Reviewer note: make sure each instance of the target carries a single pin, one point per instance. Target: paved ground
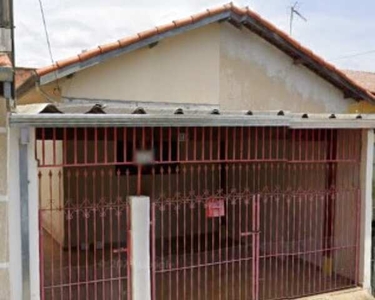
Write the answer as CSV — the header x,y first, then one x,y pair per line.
x,y
351,294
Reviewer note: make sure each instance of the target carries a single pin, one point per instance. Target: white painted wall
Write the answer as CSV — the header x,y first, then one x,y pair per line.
x,y
256,75
183,69
215,64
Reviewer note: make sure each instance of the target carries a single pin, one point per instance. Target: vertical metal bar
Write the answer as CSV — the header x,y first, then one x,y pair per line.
x,y
75,145
257,247
43,146
50,210
184,194
248,143
234,142
199,194
187,137
226,144
195,144
125,144
69,218
119,212
211,143
192,207
96,145
169,225
102,216
54,146
61,212
105,145
65,147
41,255
110,201
219,143
86,216
114,144
203,144
85,146
161,144
94,183
78,212
178,144
177,229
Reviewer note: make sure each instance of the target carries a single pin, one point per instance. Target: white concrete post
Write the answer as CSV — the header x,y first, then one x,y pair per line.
x,y
366,208
140,247
33,218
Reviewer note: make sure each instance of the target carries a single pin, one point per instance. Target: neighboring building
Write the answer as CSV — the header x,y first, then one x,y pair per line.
x,y
211,157
367,80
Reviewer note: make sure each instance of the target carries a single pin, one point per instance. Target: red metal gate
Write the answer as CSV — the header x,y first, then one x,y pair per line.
x,y
195,257
254,213
236,212
83,215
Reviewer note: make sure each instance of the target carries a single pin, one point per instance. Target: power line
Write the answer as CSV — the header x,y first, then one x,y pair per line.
x,y
47,39
354,55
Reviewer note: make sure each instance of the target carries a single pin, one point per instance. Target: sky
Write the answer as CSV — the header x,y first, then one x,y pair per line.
x,y
337,30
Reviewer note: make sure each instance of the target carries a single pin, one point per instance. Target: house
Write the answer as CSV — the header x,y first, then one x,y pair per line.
x,y
367,80
211,157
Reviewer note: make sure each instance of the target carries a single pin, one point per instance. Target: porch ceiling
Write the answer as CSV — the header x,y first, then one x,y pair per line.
x,y
99,115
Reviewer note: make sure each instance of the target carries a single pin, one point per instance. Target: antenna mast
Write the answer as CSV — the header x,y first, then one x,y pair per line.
x,y
293,11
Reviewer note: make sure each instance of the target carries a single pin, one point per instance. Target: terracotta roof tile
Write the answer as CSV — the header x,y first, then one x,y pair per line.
x,y
89,54
109,47
66,62
148,33
5,61
128,40
367,79
184,21
166,27
23,74
46,70
199,16
191,19
239,10
217,10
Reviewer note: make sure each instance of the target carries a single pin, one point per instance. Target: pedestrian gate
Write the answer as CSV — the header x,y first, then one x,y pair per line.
x,y
236,212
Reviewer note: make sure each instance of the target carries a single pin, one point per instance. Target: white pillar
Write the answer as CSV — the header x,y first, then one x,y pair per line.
x,y
140,247
15,256
366,208
33,218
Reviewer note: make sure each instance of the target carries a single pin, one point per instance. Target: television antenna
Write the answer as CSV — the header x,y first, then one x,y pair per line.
x,y
294,11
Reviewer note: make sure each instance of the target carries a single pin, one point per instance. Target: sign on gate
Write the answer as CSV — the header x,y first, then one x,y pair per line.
x,y
215,208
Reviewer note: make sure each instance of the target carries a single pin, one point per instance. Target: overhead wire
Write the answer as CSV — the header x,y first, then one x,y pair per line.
x,y
354,55
48,41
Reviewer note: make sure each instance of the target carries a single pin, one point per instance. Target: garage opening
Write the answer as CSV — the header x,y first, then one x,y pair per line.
x,y
236,212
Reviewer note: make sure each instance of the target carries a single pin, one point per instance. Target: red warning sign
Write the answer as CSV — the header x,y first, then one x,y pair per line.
x,y
215,208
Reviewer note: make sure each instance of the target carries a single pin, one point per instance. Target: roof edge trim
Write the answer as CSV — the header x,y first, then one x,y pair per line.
x,y
113,120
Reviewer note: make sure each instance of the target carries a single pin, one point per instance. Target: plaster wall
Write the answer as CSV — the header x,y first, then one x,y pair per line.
x,y
215,64
182,69
256,75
